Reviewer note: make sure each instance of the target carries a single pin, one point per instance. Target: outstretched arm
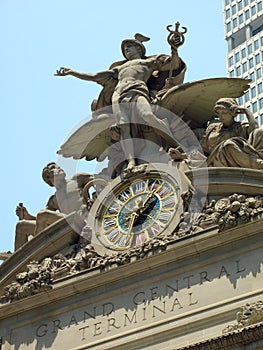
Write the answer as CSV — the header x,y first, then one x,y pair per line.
x,y
100,77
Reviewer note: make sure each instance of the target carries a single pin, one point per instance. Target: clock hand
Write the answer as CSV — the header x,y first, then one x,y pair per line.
x,y
147,200
131,222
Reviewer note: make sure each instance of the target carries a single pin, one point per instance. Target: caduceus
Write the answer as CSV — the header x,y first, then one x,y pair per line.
x,y
175,39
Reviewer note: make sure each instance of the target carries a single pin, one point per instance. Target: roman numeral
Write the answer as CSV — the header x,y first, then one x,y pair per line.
x,y
109,222
114,209
169,202
122,241
164,216
164,190
139,187
124,196
112,235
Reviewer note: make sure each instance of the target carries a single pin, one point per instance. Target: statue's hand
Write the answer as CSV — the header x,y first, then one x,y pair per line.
x,y
240,110
21,212
62,71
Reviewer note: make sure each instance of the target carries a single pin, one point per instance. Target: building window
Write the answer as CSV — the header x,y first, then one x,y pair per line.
x,y
261,119
251,62
253,92
249,48
243,53
247,96
235,22
238,70
254,107
247,15
227,2
231,74
231,61
256,44
260,88
241,18
261,39
253,10
228,26
261,103
234,9
259,73
237,57
239,5
252,76
257,30
260,6
240,100
257,58
245,2
227,13
244,65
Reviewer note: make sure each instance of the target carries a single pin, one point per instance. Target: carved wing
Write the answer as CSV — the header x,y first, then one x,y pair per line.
x,y
194,101
90,140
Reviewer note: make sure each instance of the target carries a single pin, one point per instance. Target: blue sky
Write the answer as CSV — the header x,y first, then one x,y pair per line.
x,y
39,110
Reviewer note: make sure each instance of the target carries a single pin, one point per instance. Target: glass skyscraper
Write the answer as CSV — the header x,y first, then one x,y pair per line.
x,y
243,23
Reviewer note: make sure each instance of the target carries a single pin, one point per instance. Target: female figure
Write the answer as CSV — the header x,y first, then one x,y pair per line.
x,y
229,143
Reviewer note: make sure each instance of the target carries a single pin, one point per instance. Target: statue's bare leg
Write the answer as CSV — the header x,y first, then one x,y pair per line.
x,y
45,218
122,115
147,115
25,229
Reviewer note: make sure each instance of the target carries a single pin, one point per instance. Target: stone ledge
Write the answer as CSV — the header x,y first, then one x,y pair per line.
x,y
226,181
242,337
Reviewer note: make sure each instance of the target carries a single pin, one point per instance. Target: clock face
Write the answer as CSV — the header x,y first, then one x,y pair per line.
x,y
137,212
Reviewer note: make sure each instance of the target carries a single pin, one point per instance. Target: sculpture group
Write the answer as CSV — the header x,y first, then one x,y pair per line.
x,y
145,113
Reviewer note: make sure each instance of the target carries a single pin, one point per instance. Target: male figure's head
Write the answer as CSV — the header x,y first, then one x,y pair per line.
x,y
53,175
133,48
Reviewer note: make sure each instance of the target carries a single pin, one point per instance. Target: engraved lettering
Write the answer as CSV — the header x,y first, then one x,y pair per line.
x,y
56,326
187,278
223,272
73,321
159,309
111,323
176,303
154,294
191,302
169,290
139,298
238,267
144,314
42,330
83,329
108,308
87,314
130,320
97,328
203,277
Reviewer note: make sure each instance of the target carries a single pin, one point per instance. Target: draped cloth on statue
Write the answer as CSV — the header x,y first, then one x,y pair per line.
x,y
240,145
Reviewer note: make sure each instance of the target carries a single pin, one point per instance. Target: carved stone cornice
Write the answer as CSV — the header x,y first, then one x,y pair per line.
x,y
222,214
241,337
250,314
